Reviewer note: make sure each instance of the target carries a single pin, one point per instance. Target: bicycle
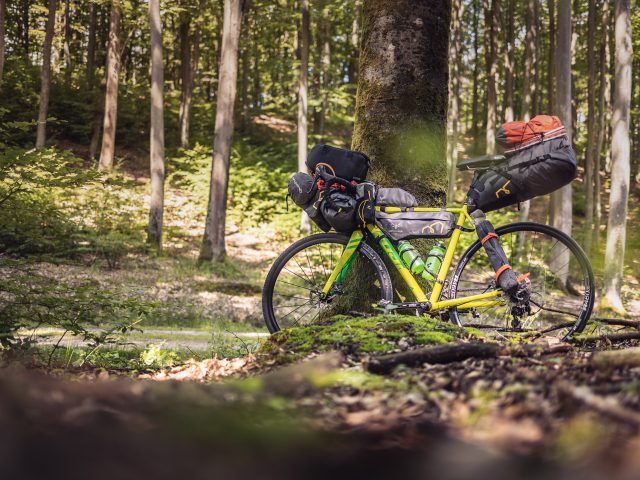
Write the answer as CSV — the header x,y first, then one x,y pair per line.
x,y
311,278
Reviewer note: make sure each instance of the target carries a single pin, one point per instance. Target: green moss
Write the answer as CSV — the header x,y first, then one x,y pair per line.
x,y
361,336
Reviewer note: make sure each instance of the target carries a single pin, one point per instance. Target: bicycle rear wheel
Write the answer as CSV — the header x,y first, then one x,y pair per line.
x,y
562,284
292,293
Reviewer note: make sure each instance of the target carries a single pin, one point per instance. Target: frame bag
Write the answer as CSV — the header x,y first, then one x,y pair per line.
x,y
409,224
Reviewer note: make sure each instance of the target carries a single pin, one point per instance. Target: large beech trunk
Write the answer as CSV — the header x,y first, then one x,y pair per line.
x,y
156,138
213,247
401,105
620,159
111,96
45,78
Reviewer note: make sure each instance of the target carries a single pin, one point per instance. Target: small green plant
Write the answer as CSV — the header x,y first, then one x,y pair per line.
x,y
155,356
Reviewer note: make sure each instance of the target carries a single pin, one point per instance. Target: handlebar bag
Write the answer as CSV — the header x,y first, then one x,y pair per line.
x,y
339,162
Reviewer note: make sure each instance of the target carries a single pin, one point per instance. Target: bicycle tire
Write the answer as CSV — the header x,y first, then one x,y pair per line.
x,y
386,289
574,248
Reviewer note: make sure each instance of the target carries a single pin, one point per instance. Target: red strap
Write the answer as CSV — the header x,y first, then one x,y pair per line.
x,y
488,236
501,270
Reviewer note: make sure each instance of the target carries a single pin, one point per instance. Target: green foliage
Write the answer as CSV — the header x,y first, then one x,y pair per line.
x,y
33,299
154,356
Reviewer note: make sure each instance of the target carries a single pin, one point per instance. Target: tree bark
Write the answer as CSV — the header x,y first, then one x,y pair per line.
x,y
590,169
621,161
529,49
156,150
490,12
111,96
510,61
66,50
2,44
455,62
551,78
213,246
562,199
186,81
475,127
25,29
401,105
305,223
326,73
91,44
45,78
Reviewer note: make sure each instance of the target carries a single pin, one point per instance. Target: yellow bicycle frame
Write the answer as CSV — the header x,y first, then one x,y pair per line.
x,y
472,301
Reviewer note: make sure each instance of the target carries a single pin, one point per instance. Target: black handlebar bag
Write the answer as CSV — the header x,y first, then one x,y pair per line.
x,y
527,172
346,164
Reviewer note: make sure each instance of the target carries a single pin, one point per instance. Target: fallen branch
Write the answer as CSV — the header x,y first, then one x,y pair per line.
x,y
617,321
612,337
454,352
627,357
608,406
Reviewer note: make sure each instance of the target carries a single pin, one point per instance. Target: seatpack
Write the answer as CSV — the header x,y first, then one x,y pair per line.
x,y
529,170
347,164
409,224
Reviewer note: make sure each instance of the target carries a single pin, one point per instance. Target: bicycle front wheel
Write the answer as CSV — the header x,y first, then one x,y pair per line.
x,y
562,284
292,293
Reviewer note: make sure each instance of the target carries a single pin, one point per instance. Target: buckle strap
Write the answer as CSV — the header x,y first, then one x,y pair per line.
x,y
488,237
502,269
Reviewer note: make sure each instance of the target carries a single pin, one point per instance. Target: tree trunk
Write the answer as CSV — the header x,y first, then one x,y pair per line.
x,y
45,78
156,146
2,47
111,96
604,94
562,199
590,169
551,77
455,62
25,29
528,88
305,223
490,13
510,61
620,161
355,40
401,106
91,46
66,51
326,73
475,127
213,247
186,81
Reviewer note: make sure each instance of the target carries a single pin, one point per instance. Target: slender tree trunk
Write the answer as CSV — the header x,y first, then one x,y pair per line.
x,y
592,136
355,38
257,91
45,78
2,46
475,122
91,45
604,95
562,202
111,96
490,11
213,247
244,94
25,29
621,161
305,224
510,61
401,106
551,77
66,50
528,87
455,63
186,81
156,150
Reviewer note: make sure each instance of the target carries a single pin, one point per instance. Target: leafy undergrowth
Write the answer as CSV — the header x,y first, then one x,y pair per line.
x,y
358,336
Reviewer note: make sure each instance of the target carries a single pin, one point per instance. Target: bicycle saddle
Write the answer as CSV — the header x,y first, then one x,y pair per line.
x,y
480,163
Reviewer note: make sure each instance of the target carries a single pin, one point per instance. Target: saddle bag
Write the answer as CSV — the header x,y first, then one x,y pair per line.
x,y
409,224
531,169
339,162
